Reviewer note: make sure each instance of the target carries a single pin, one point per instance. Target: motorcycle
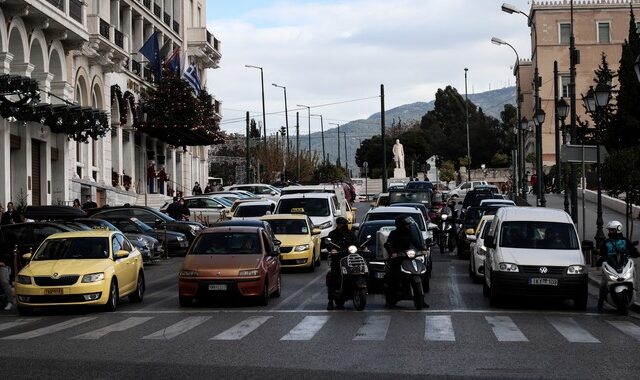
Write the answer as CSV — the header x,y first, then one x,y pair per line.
x,y
444,231
354,273
619,274
408,282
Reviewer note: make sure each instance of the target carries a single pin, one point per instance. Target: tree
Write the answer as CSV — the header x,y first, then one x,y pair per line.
x,y
621,175
500,160
605,117
329,173
447,172
254,131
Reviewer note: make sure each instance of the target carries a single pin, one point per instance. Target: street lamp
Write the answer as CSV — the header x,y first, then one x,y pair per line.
x,y
466,110
309,112
366,187
562,111
511,9
595,101
324,159
286,113
636,66
524,126
264,114
338,125
538,119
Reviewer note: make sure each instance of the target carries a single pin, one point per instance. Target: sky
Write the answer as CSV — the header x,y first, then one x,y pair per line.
x,y
333,55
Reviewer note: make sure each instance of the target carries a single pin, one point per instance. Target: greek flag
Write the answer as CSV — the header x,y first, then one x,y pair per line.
x,y
191,76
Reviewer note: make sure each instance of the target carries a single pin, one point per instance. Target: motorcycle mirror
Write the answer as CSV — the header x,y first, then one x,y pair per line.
x,y
328,240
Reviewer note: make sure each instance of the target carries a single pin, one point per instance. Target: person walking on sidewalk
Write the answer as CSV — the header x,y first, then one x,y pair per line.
x,y
5,278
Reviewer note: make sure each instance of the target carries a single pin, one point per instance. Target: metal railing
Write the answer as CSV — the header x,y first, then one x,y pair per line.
x,y
209,36
136,67
216,44
157,10
176,27
57,3
167,19
118,38
104,29
75,10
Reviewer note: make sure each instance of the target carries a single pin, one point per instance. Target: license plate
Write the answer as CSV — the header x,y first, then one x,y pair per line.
x,y
217,287
380,275
543,281
53,292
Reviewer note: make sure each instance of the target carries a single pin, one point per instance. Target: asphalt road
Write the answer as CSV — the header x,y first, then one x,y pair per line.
x,y
460,335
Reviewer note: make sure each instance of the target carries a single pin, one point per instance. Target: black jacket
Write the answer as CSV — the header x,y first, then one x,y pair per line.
x,y
342,238
10,216
402,240
175,211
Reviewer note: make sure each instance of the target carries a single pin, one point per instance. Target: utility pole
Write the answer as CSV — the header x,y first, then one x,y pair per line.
x,y
246,164
298,144
556,120
338,162
384,141
538,123
346,160
322,133
572,94
466,111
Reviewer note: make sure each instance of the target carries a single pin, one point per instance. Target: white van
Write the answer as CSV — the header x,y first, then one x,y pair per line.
x,y
534,252
322,208
345,208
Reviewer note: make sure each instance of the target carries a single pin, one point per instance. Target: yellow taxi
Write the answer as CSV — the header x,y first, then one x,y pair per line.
x,y
300,241
95,267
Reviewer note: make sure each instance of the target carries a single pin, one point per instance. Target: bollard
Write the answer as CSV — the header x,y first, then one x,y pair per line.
x,y
588,253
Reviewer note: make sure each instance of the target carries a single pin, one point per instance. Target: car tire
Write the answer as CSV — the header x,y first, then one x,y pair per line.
x,y
312,267
138,295
264,297
318,261
112,302
278,290
185,301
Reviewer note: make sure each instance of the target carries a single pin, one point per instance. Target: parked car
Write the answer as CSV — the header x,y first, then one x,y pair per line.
x,y
254,210
230,261
461,190
259,189
478,249
300,245
534,252
205,209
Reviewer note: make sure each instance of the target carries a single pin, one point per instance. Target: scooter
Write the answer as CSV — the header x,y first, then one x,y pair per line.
x,y
444,231
619,273
408,282
354,273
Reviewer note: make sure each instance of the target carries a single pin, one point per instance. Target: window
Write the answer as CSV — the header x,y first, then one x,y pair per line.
x,y
604,36
564,86
116,245
564,32
538,235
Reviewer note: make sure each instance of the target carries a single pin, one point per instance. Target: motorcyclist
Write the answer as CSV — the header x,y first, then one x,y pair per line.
x,y
343,237
450,209
616,244
406,236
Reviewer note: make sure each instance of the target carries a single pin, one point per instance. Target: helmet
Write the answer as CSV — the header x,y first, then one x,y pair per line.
x,y
341,221
403,222
614,225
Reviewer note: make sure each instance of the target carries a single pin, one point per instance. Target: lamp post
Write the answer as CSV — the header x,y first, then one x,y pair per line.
x,y
338,125
595,101
466,111
562,111
538,119
264,114
322,135
286,113
309,113
524,126
366,187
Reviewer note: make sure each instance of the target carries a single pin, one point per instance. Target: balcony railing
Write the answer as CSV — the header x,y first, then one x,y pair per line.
x,y
57,3
104,29
167,19
176,27
209,35
118,38
75,10
157,10
216,42
147,3
135,67
147,75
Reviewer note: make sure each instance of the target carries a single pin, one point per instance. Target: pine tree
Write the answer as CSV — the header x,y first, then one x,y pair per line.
x,y
605,117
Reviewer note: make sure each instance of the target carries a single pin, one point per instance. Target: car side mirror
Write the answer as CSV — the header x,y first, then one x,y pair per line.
x,y
488,242
316,231
470,231
277,242
355,226
27,256
338,213
431,226
121,254
158,223
273,193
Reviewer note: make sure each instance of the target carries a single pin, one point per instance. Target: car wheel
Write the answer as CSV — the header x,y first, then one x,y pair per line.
x,y
185,301
312,266
112,302
485,288
138,294
264,297
318,260
278,290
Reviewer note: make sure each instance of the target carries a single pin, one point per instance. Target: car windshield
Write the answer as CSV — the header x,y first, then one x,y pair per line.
x,y
289,227
227,243
143,226
538,235
251,211
473,215
311,206
73,248
417,217
423,197
224,201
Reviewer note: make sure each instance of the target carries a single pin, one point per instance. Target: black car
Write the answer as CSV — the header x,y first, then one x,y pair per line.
x,y
473,197
470,221
419,185
369,251
424,196
175,242
149,216
419,206
251,223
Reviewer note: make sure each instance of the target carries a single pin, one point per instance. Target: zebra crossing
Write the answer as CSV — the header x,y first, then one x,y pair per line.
x,y
372,327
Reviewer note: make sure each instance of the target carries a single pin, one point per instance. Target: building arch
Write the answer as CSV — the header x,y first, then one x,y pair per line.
x,y
97,93
81,88
57,62
38,55
18,41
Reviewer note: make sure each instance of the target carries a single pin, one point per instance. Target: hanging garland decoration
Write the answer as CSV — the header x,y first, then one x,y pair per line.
x,y
16,86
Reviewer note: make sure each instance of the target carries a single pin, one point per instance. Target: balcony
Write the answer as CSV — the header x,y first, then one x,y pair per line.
x,y
147,3
157,10
118,38
167,19
108,46
66,18
204,47
104,29
176,27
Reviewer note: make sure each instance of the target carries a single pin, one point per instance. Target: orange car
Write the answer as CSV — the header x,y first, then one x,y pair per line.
x,y
230,261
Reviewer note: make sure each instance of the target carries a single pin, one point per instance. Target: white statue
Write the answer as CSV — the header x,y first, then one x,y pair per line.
x,y
398,155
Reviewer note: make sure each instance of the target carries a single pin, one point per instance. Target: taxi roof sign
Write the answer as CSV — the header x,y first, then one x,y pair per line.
x,y
297,210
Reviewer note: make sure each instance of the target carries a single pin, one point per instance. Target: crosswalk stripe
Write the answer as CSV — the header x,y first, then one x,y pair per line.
x,y
50,329
16,323
505,329
439,328
242,329
306,329
119,326
178,328
374,328
627,327
571,330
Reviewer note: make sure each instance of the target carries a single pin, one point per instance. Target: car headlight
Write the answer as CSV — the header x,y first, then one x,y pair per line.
x,y
193,229
180,238
508,267
248,273
25,280
300,248
576,269
325,225
188,273
93,277
411,254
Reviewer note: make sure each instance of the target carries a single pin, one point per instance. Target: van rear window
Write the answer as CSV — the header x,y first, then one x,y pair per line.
x,y
538,235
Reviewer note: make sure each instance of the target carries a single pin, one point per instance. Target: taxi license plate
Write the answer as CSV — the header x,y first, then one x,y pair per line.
x,y
53,292
543,281
217,287
380,275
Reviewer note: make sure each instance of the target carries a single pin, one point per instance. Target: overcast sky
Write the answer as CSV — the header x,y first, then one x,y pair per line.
x,y
329,51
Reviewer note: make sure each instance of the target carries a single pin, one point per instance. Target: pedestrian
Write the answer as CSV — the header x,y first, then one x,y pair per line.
x,y
11,216
151,176
76,203
534,182
175,209
197,190
89,203
185,209
5,278
208,189
162,178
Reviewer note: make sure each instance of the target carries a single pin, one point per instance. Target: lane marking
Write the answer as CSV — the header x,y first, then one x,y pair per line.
x,y
242,329
375,327
116,327
505,329
297,292
627,328
368,311
454,295
310,299
439,328
306,329
570,329
16,323
178,328
50,329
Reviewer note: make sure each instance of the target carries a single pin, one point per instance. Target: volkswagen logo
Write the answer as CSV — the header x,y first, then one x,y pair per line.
x,y
55,275
543,270
218,274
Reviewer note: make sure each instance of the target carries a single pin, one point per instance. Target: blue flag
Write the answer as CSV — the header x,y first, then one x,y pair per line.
x,y
191,76
151,51
173,62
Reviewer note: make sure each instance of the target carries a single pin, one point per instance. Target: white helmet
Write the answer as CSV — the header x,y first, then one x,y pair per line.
x,y
614,225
